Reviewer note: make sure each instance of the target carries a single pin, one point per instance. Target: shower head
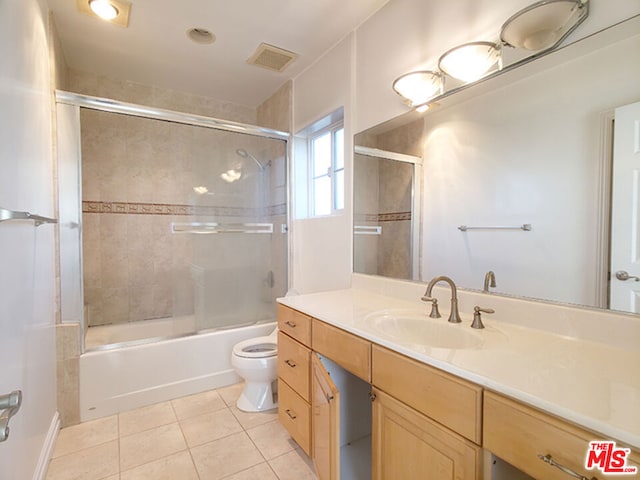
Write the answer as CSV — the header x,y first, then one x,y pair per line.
x,y
244,154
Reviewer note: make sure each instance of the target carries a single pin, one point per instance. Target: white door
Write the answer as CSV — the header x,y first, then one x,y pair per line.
x,y
27,295
625,211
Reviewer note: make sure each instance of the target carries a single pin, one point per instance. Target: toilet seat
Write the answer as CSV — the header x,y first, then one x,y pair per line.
x,y
259,347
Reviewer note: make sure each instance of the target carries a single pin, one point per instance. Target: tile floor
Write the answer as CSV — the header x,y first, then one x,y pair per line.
x,y
199,437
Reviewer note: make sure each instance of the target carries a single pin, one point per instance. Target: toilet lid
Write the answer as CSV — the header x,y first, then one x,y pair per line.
x,y
259,347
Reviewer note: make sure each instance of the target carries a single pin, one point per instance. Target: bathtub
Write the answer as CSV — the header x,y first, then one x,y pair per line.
x,y
120,379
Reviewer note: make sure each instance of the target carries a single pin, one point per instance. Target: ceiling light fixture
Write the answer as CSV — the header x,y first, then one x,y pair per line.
x,y
417,88
544,24
470,61
104,9
201,36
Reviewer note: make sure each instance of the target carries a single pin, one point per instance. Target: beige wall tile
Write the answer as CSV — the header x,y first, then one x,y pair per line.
x,y
275,112
68,390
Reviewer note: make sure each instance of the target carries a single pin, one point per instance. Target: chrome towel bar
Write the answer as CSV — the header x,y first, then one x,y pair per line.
x,y
213,227
367,230
526,227
6,215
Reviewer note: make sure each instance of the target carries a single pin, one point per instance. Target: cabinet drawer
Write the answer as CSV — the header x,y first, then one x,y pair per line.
x,y
295,324
350,352
294,414
518,434
450,401
293,364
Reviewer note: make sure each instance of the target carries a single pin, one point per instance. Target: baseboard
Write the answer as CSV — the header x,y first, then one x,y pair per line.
x,y
47,449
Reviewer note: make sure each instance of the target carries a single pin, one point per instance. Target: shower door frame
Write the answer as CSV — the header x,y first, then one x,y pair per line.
x,y
108,105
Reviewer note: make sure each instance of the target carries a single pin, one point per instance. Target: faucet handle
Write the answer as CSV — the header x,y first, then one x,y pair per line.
x,y
477,319
435,312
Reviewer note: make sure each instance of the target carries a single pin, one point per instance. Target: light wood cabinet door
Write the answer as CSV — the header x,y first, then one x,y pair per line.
x,y
325,422
409,446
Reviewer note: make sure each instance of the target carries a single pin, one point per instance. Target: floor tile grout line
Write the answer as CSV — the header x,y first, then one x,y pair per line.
x,y
193,462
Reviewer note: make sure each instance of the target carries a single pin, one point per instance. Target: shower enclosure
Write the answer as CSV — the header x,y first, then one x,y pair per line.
x,y
182,222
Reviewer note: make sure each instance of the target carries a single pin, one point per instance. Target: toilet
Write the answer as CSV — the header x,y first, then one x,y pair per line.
x,y
256,360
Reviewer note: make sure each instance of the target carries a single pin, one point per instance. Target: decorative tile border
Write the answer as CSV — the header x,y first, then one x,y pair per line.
x,y
383,217
177,209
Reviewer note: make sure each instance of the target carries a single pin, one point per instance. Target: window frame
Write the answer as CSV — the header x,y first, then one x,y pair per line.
x,y
331,171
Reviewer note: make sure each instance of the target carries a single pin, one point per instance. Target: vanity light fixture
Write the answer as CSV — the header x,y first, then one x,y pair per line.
x,y
417,88
470,61
537,28
544,24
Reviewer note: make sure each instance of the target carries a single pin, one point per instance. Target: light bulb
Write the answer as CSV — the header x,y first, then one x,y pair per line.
x,y
104,9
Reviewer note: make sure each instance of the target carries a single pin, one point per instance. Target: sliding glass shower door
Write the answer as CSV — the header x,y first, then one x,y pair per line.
x,y
183,226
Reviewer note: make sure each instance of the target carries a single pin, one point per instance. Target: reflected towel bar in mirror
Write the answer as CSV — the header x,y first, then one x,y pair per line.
x,y
526,227
6,215
213,227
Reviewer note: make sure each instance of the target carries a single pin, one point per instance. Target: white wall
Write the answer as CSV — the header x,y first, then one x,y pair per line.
x,y
27,305
526,153
321,247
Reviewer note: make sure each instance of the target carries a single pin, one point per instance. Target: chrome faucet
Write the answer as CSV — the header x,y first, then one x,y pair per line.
x,y
454,316
489,281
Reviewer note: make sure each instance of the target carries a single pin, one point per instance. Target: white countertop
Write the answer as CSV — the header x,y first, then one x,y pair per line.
x,y
593,384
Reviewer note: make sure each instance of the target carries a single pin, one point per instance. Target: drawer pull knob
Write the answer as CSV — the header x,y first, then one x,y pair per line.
x,y
290,323
290,363
548,459
291,414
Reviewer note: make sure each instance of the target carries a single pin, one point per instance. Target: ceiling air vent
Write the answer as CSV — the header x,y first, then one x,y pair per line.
x,y
273,58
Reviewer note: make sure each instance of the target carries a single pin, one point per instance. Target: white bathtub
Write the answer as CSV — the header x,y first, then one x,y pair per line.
x,y
113,381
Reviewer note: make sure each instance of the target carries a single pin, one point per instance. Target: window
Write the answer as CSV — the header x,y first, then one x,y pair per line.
x,y
326,167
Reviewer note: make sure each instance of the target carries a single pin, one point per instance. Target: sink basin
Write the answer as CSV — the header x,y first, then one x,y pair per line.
x,y
416,328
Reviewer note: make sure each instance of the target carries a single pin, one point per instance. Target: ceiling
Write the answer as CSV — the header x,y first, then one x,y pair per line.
x,y
155,49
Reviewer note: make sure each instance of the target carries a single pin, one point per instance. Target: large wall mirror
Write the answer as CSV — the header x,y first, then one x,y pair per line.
x,y
534,146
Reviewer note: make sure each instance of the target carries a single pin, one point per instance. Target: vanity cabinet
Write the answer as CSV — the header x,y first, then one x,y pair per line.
x,y
423,423
518,433
426,423
411,446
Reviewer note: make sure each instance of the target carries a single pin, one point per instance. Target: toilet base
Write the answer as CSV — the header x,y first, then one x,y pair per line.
x,y
257,397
